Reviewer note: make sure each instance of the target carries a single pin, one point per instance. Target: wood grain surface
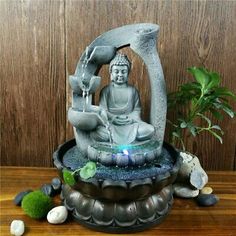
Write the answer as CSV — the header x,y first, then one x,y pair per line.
x,y
43,40
33,81
186,218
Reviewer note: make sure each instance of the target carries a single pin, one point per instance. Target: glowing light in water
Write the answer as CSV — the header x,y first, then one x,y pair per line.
x,y
125,151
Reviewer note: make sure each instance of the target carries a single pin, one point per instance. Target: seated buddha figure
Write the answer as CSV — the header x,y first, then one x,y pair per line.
x,y
121,102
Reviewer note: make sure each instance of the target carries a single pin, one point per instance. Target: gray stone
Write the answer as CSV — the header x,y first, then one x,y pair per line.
x,y
184,191
19,197
48,190
198,179
56,184
207,199
191,172
17,227
57,215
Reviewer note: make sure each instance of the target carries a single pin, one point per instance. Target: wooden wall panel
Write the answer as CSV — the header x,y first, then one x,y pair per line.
x,y
192,33
197,32
32,81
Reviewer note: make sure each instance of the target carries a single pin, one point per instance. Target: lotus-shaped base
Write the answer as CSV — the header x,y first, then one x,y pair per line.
x,y
125,155
118,217
119,199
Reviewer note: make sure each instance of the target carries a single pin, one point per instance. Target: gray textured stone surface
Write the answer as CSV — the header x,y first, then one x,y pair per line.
x,y
184,191
198,179
191,172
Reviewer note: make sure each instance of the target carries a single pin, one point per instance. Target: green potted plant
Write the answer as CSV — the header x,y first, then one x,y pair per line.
x,y
194,105
198,100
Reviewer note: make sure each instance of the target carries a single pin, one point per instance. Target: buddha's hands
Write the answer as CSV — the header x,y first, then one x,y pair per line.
x,y
122,120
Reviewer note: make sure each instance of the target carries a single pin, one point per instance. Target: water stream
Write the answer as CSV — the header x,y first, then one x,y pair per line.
x,y
108,128
85,93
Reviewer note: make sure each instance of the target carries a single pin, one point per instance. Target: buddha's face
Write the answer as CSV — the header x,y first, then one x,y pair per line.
x,y
119,74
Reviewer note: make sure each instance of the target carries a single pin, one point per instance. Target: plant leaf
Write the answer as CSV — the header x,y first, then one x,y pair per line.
x,y
193,86
183,125
229,111
216,114
88,171
175,134
222,91
91,165
192,130
218,128
68,178
205,118
214,80
200,75
216,135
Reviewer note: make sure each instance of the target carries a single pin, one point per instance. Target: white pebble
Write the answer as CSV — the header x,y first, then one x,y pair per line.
x,y
17,227
57,215
206,190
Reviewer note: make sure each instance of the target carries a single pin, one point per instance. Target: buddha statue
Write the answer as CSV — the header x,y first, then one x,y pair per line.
x,y
121,107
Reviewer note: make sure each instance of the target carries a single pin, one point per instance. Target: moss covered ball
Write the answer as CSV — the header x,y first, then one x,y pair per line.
x,y
36,204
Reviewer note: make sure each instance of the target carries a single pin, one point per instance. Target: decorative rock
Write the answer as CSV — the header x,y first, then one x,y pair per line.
x,y
17,227
56,184
191,172
48,190
207,199
57,215
19,197
198,179
206,190
184,191
186,157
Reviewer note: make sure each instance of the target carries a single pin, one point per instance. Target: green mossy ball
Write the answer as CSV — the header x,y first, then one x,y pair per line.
x,y
36,204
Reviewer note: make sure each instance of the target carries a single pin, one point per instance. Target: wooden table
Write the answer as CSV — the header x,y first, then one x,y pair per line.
x,y
186,218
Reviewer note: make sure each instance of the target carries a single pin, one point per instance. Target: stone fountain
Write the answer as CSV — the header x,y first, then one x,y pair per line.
x,y
132,187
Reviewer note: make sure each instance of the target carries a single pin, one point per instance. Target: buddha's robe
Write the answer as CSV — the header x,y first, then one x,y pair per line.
x,y
123,109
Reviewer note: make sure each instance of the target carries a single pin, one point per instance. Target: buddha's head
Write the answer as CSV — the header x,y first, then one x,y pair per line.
x,y
119,69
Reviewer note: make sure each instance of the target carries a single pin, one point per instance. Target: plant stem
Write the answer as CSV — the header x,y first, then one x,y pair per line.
x,y
193,112
76,171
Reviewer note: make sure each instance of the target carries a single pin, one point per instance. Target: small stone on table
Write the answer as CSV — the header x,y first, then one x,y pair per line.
x,y
57,215
56,184
19,197
206,190
207,199
48,190
17,227
184,191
